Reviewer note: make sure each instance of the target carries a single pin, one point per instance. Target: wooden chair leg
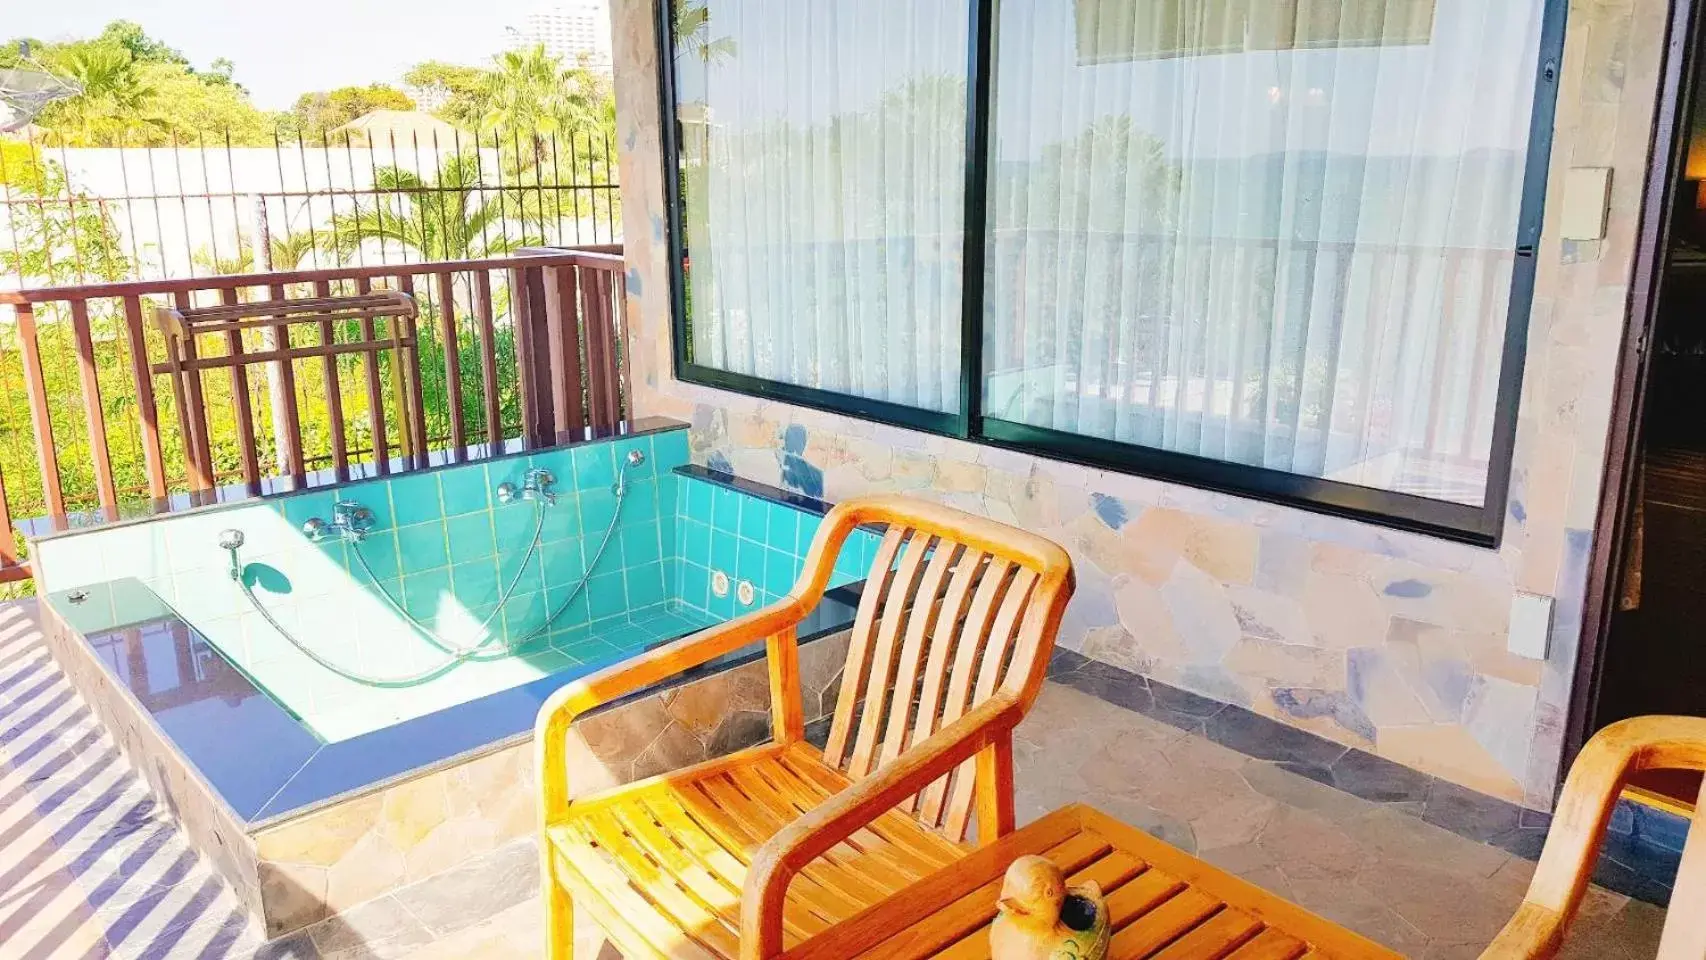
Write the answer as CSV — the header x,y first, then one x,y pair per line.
x,y
995,791
559,914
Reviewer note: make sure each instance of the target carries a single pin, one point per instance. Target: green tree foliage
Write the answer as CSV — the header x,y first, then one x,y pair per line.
x,y
693,33
531,96
446,218
138,91
460,91
141,47
316,115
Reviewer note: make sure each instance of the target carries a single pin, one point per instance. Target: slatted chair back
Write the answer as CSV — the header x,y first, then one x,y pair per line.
x,y
954,609
1579,825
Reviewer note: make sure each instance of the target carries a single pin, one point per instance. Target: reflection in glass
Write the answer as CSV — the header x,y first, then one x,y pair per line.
x,y
822,149
1272,232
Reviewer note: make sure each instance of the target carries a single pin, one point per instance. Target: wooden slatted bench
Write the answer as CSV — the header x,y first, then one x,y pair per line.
x,y
182,325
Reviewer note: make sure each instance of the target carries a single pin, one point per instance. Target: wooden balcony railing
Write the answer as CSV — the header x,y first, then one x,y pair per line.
x,y
523,347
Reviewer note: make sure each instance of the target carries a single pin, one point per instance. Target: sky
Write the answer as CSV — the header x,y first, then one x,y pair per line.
x,y
285,49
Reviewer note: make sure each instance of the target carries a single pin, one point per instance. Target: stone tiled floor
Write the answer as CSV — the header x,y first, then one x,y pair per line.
x,y
91,868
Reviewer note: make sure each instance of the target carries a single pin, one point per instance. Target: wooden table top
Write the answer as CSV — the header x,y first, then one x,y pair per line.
x,y
1165,904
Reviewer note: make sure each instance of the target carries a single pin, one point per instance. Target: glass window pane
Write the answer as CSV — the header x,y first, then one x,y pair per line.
x,y
1269,232
823,181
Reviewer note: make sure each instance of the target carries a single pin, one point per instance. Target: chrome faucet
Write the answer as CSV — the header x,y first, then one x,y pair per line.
x,y
350,521
535,485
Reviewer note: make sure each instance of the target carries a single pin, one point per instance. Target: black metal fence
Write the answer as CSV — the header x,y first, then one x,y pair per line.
x,y
88,215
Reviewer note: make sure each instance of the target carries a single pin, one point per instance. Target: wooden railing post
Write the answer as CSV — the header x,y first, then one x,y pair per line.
x,y
532,356
287,422
452,340
35,387
375,396
567,386
605,380
145,411
94,411
488,360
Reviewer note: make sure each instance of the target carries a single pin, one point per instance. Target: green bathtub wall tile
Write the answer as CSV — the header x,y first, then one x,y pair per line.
x,y
525,614
597,507
724,551
725,508
784,526
669,449
470,537
575,605
424,592
380,551
781,569
671,578
642,497
606,595
475,582
695,586
563,564
641,543
644,583
303,507
805,533
531,578
515,525
415,499
377,498
697,497
422,546
594,467
465,490
563,518
696,541
755,518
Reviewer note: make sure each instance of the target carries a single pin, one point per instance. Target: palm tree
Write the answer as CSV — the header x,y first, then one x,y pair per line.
x,y
287,252
531,93
116,101
449,217
692,33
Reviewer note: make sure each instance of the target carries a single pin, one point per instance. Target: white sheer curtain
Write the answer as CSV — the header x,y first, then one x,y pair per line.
x,y
823,153
1272,232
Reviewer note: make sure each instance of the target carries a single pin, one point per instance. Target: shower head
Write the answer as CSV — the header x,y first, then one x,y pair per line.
x,y
633,459
230,539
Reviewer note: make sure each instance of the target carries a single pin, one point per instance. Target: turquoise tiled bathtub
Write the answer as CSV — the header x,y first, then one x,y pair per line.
x,y
444,548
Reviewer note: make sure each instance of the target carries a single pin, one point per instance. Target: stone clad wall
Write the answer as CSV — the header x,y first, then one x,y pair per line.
x,y
1392,642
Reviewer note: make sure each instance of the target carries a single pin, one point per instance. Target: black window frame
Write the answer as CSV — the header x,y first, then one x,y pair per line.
x,y
1481,526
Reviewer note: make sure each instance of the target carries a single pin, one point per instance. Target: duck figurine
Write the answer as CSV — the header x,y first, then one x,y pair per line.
x,y
1039,918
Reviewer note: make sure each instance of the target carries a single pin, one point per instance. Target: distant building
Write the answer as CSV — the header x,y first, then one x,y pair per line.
x,y
578,31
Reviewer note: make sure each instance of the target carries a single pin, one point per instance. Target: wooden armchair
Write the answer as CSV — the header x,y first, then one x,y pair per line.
x,y
1572,846
754,853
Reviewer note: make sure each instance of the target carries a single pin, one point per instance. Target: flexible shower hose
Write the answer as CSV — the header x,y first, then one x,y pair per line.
x,y
457,655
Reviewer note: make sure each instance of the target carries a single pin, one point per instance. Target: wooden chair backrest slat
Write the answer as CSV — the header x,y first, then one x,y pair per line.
x,y
955,608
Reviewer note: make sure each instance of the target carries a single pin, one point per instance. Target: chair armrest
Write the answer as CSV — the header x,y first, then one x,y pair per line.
x,y
618,680
1579,824
785,854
